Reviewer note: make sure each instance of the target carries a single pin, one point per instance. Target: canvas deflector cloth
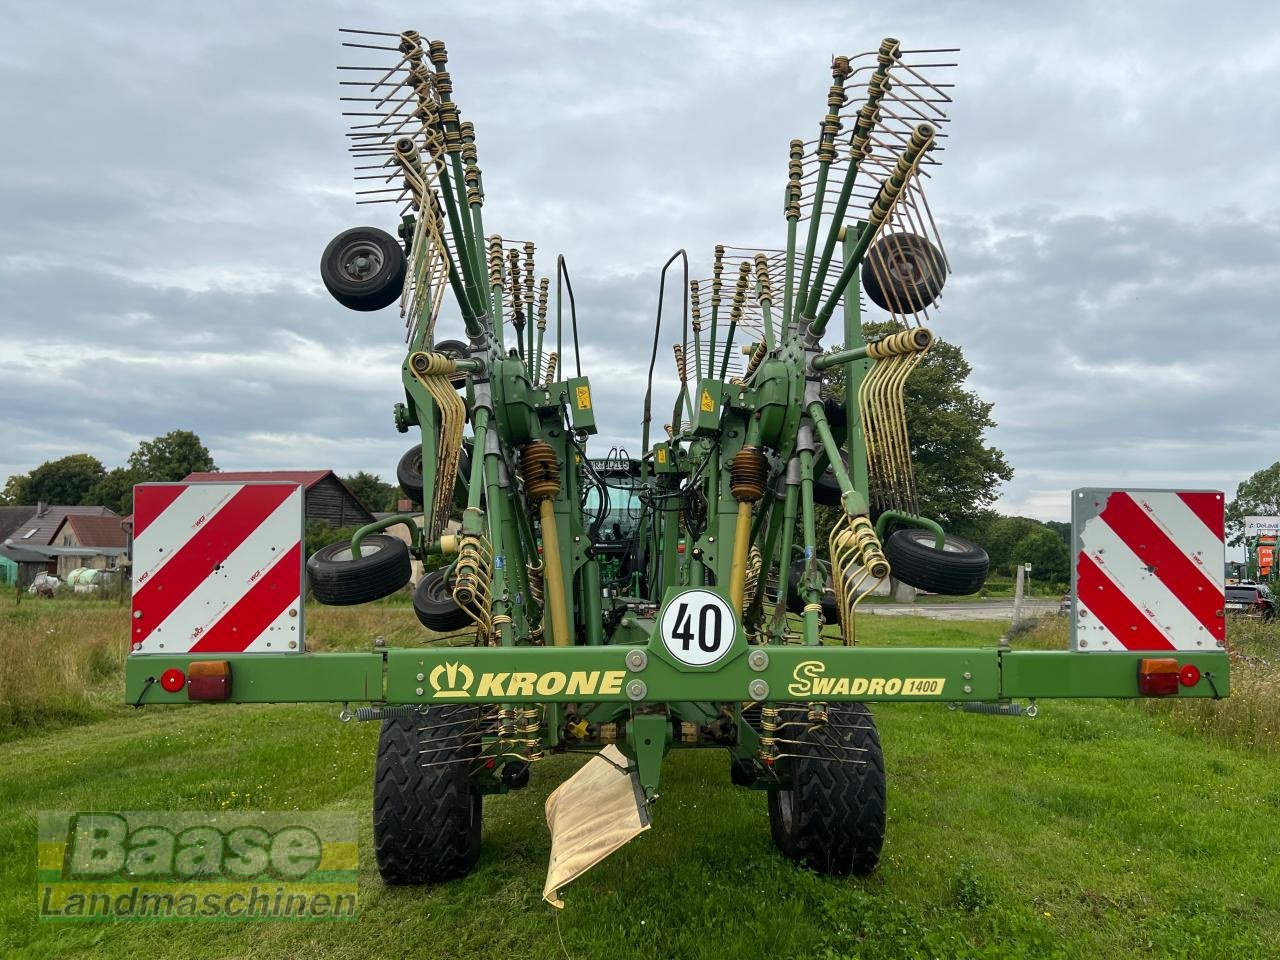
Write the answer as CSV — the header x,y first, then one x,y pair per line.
x,y
591,815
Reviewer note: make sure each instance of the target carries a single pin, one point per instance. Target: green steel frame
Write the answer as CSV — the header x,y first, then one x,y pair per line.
x,y
613,668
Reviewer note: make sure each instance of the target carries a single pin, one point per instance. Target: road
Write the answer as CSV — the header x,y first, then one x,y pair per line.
x,y
967,610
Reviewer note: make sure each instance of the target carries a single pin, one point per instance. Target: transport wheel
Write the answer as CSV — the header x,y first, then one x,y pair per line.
x,y
340,579
434,605
409,473
364,268
795,603
903,273
426,819
958,569
832,818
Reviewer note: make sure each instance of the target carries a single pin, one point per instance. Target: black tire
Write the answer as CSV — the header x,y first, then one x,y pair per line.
x,y
339,579
426,818
364,268
434,606
957,570
903,273
832,819
409,474
825,489
795,603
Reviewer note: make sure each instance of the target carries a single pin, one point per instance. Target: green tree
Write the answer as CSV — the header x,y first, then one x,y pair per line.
x,y
1061,528
957,472
371,490
64,481
114,490
1049,557
317,534
1259,496
15,490
170,458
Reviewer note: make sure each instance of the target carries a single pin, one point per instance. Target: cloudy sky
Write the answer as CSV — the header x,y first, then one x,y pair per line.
x,y
171,173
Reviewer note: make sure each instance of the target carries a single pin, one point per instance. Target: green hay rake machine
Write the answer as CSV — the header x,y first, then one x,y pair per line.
x,y
680,600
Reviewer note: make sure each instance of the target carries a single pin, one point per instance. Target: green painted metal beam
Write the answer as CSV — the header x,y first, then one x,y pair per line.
x,y
604,674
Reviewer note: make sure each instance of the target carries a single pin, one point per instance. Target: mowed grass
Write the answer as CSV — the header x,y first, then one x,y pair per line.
x,y
1099,829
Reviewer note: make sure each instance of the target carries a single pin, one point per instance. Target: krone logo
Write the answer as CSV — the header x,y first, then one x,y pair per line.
x,y
452,680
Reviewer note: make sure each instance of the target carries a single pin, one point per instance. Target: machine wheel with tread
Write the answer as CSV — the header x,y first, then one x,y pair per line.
x,y
832,818
958,569
364,268
434,606
903,273
409,473
339,578
426,818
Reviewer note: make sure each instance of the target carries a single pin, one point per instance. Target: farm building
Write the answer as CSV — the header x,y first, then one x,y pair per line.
x,y
34,544
326,497
97,543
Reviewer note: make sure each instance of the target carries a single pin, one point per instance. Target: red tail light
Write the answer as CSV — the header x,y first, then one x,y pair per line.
x,y
1158,677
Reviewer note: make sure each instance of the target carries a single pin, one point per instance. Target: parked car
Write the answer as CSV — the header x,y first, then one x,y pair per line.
x,y
1251,600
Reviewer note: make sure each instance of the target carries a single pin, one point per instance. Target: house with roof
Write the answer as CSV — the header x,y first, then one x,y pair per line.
x,y
325,497
32,545
95,542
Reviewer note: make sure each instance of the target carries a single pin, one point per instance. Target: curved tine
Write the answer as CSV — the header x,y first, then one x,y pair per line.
x,y
657,333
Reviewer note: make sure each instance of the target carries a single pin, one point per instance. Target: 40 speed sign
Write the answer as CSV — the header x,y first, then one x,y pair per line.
x,y
698,627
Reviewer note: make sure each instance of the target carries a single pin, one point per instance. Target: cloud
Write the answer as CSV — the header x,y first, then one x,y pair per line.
x,y
165,201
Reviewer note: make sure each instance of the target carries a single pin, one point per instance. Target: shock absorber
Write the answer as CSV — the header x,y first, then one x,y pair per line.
x,y
541,475
748,474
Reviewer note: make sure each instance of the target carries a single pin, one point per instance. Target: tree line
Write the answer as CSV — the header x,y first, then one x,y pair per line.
x,y
81,479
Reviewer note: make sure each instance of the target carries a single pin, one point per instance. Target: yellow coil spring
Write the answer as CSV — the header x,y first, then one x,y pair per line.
x,y
757,357
472,578
538,595
544,286
433,371
682,371
740,291
495,261
528,726
549,374
695,306
513,273
717,268
795,172
908,163
762,278
856,556
768,733
528,277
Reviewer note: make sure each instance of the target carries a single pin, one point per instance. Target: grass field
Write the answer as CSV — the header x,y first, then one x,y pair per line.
x,y
1096,830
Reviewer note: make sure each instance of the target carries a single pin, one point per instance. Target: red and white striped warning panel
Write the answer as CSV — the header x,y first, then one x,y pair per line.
x,y
1148,570
217,568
